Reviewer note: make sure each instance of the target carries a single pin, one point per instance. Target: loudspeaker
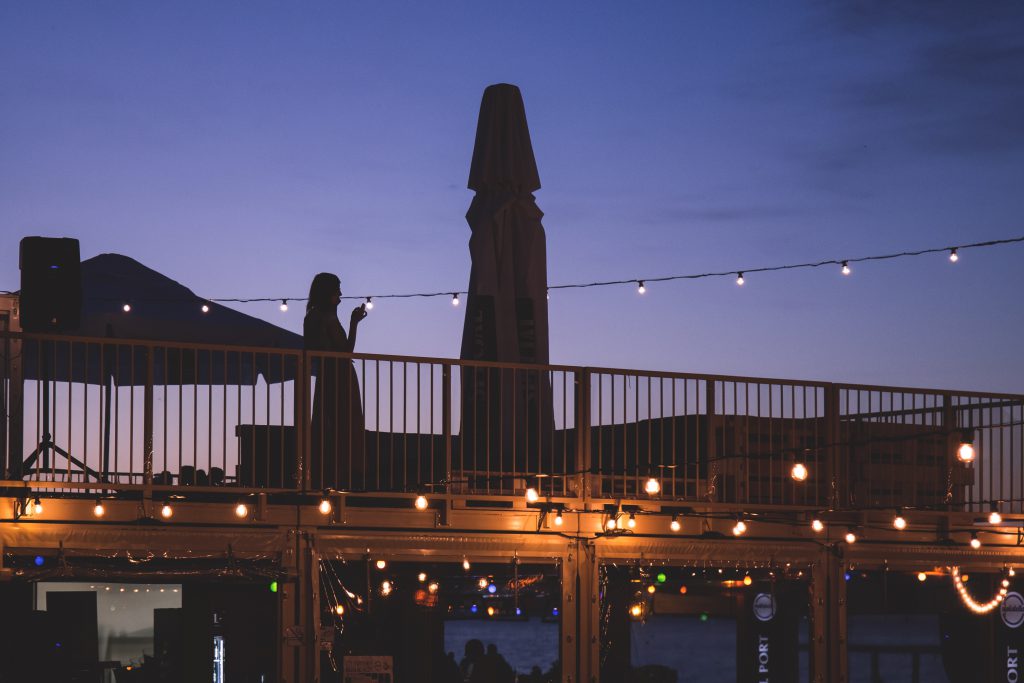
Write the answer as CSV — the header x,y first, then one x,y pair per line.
x,y
51,284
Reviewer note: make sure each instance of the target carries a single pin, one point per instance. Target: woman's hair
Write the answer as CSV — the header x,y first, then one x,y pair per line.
x,y
323,287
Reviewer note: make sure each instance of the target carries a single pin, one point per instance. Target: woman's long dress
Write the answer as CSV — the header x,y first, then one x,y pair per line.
x,y
337,433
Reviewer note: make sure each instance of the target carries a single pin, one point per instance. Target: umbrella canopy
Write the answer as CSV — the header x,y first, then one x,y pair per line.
x,y
506,414
162,310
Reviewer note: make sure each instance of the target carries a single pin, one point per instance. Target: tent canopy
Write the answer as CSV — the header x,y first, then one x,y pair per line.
x,y
162,310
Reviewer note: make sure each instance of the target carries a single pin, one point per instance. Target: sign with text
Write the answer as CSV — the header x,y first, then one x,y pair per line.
x,y
368,669
766,634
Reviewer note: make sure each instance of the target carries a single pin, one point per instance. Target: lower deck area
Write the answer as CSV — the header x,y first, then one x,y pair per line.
x,y
387,592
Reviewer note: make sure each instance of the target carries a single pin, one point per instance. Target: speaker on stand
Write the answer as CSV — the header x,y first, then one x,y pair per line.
x,y
51,303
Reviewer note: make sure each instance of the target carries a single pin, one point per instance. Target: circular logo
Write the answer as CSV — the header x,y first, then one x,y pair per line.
x,y
1012,609
764,606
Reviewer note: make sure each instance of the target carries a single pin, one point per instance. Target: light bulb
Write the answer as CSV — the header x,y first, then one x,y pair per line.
x,y
798,472
465,564
953,256
381,564
284,305
339,610
651,589
965,453
636,610
558,518
899,522
631,522
1011,572
241,510
455,299
739,279
975,541
994,517
846,268
99,510
432,587
640,287
205,308
166,511
385,588
325,506
653,486
747,580
921,576
482,583
610,524
740,528
851,537
421,503
531,495
817,525
37,507
369,303
490,611
127,308
674,525
422,576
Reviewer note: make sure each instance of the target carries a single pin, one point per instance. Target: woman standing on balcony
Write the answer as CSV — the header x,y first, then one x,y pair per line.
x,y
337,434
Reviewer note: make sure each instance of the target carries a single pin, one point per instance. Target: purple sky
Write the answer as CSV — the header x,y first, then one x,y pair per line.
x,y
241,147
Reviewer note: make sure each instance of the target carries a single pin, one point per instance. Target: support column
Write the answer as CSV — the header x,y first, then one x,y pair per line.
x,y
828,617
580,646
299,613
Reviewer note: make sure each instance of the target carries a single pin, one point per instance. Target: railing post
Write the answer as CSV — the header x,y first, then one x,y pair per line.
x,y
303,382
147,421
586,471
834,468
446,423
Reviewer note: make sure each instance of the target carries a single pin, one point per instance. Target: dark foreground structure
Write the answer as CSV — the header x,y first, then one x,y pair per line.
x,y
749,524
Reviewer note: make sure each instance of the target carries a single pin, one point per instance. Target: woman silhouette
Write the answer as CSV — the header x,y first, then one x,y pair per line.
x,y
336,436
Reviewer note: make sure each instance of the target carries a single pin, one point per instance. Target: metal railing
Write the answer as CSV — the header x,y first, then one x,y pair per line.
x,y
108,413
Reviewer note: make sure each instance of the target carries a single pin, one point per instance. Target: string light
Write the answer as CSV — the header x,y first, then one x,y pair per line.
x,y
739,278
636,610
421,502
558,517
971,603
851,537
921,576
531,495
241,510
490,611
994,517
325,506
899,522
455,298
651,589
798,472
747,580
166,511
205,308
611,523
640,287
965,452
975,541
339,610
98,509
740,528
385,588
422,576
127,307
382,564
284,305
369,303
37,507
953,255
482,583
631,522
465,564
674,525
432,587
653,486
817,525
846,268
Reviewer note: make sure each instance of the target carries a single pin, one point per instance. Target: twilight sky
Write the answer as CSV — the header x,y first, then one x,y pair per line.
x,y
241,147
